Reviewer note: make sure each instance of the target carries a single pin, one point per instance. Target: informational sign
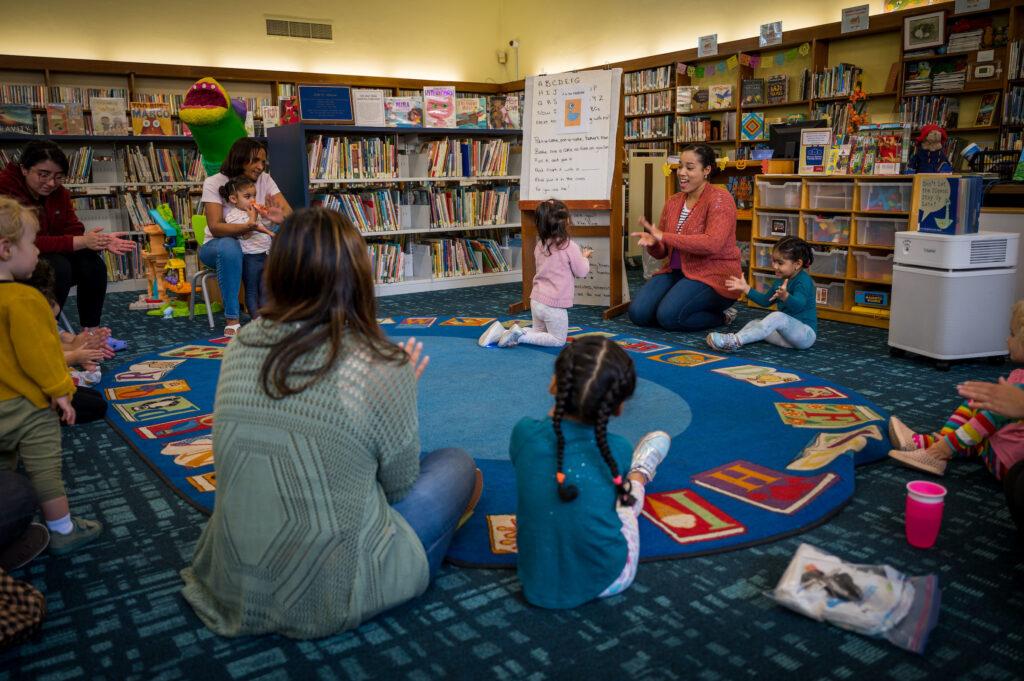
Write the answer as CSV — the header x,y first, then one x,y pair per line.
x,y
856,19
325,104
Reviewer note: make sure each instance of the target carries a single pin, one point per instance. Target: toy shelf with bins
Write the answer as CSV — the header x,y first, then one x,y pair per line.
x,y
849,221
409,171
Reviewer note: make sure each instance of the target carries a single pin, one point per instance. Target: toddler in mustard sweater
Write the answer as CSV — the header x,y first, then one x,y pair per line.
x,y
34,381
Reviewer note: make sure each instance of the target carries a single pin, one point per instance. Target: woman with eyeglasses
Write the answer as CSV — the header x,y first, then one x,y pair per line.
x,y
221,248
36,180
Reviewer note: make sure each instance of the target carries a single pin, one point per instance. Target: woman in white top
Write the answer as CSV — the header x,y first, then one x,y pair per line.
x,y
221,248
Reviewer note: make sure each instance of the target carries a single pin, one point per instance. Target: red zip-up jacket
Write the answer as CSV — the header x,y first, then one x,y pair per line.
x,y
58,224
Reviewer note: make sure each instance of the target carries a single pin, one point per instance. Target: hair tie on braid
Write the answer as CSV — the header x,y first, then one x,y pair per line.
x,y
617,480
560,477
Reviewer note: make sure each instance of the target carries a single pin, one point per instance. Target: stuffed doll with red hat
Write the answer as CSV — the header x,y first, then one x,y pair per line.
x,y
930,156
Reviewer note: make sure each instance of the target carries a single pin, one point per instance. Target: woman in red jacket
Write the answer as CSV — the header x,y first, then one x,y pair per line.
x,y
35,180
697,236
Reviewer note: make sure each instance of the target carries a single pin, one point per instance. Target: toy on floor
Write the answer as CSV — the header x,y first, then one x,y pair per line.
x,y
165,262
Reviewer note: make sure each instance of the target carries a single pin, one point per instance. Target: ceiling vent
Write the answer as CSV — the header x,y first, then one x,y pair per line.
x,y
310,30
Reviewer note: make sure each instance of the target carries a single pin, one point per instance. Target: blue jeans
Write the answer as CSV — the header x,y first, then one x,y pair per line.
x,y
778,328
438,499
676,303
252,276
224,254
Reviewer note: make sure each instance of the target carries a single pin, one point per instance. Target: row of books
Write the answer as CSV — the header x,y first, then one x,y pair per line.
x,y
1013,106
649,79
775,89
705,129
437,208
462,257
465,158
964,41
919,111
127,266
667,145
1012,141
835,82
172,102
182,204
161,164
387,261
837,113
872,150
462,207
924,77
370,211
1015,62
40,95
335,158
650,103
108,116
645,128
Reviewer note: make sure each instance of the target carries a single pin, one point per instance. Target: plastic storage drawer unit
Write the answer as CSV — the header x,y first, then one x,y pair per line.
x,y
886,196
762,282
785,195
777,225
830,195
833,229
878,231
875,267
829,295
763,255
832,263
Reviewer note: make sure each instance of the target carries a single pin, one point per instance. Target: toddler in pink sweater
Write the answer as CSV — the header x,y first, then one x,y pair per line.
x,y
559,261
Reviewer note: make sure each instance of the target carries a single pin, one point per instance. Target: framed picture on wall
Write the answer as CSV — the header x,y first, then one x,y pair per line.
x,y
924,30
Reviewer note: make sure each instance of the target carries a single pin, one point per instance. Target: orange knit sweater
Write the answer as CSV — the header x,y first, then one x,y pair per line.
x,y
707,243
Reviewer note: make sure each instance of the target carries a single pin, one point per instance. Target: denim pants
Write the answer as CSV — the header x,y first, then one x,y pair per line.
x,y
778,328
676,303
252,276
224,254
438,499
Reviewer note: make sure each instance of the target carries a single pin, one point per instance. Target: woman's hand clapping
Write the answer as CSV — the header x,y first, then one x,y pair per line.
x,y
650,236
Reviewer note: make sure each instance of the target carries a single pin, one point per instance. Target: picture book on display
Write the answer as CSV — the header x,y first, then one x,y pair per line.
x,y
720,97
947,204
500,110
701,99
65,119
684,98
403,112
752,127
439,107
987,109
778,89
109,116
147,118
752,91
368,106
471,112
271,117
16,118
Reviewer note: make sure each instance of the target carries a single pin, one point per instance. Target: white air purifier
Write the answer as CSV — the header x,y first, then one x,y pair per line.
x,y
952,294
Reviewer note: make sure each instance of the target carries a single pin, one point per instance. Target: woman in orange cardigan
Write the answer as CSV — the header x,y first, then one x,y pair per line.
x,y
697,236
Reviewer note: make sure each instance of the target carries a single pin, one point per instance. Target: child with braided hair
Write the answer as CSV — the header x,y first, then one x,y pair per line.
x,y
580,489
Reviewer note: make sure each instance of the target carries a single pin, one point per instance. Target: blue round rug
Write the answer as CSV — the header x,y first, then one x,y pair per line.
x,y
757,452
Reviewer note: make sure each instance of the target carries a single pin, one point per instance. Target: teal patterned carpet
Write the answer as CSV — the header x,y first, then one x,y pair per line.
x,y
115,611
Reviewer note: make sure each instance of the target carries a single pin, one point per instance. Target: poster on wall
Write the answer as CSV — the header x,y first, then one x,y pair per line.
x,y
856,19
707,45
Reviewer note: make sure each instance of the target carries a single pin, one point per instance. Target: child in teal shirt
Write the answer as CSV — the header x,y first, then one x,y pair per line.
x,y
795,325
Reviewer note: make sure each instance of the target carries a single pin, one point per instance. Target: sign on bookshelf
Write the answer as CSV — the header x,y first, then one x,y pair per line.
x,y
856,19
569,135
325,104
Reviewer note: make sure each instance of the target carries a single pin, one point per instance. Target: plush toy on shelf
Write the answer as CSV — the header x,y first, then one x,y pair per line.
x,y
930,157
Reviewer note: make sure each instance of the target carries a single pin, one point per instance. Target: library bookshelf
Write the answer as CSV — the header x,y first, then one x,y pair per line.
x,y
421,196
849,221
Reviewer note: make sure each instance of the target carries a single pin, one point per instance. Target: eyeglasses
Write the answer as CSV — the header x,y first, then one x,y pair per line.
x,y
46,176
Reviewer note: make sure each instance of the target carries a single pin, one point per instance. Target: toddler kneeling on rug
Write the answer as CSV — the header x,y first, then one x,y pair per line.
x,y
582,543
969,433
795,324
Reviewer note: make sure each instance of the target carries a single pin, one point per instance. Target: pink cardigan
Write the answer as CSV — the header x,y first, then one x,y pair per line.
x,y
554,283
707,244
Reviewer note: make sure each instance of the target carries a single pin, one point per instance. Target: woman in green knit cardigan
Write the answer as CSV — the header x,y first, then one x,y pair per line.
x,y
325,515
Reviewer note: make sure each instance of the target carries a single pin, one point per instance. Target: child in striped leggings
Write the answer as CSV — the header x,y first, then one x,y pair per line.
x,y
976,433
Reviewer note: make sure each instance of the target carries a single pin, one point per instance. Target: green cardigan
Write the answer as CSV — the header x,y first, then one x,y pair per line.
x,y
303,540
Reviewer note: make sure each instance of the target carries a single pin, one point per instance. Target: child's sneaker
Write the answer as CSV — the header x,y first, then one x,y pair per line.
x,y
86,378
83,532
726,342
510,338
921,460
901,436
730,315
650,452
491,335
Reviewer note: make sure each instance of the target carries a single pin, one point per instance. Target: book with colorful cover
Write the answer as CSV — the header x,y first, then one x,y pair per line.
x,y
752,127
150,118
777,89
16,118
720,97
57,119
109,116
403,112
439,107
765,488
271,117
684,98
752,91
74,118
987,109
814,145
471,112
498,115
701,99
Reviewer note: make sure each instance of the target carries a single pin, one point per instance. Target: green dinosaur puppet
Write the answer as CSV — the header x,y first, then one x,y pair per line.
x,y
215,120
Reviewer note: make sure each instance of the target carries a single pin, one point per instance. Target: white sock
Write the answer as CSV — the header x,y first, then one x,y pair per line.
x,y
61,525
